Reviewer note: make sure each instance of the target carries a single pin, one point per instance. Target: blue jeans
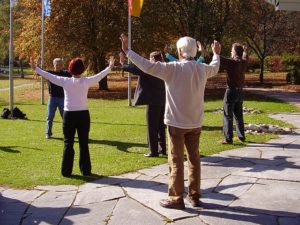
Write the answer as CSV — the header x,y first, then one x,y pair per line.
x,y
233,107
53,104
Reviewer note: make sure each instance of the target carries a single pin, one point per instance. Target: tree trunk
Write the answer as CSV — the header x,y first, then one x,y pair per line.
x,y
21,68
261,75
103,85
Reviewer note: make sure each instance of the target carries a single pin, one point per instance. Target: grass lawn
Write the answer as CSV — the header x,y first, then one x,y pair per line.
x,y
117,140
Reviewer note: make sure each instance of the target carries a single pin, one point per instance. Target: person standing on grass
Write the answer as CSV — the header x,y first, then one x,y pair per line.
x,y
151,91
56,96
233,98
76,115
185,84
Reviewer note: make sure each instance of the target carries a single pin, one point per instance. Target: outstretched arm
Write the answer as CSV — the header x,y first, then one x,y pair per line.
x,y
99,76
51,77
158,69
213,68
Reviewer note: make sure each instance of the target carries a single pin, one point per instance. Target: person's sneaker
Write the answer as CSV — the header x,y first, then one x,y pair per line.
x,y
150,154
167,203
194,202
48,136
225,142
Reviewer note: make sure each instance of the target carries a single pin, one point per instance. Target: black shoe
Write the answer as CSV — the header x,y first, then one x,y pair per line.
x,y
66,174
162,152
150,154
86,173
242,139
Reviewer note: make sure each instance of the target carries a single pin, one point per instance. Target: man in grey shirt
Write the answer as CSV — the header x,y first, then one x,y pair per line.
x,y
185,82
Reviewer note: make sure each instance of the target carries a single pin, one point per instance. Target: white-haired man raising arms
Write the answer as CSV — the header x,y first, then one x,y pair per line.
x,y
185,84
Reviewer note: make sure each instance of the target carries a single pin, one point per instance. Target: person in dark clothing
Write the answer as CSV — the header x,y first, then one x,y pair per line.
x,y
150,91
233,98
56,96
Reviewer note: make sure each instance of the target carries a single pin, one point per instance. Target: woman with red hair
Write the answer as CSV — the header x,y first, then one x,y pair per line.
x,y
76,115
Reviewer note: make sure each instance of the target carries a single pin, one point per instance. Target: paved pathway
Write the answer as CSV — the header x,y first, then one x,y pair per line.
x,y
18,87
258,184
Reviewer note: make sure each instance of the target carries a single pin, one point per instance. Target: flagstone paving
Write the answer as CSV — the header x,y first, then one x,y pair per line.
x,y
257,184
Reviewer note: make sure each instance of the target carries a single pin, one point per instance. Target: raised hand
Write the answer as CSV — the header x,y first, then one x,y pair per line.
x,y
200,46
216,47
33,63
166,49
124,41
122,58
111,61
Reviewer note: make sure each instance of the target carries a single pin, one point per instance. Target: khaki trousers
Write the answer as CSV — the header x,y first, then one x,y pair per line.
x,y
177,139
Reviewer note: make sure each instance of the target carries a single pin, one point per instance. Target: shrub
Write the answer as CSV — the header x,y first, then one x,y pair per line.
x,y
274,63
253,64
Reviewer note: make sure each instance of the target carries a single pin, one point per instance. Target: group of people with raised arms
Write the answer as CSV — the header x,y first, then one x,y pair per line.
x,y
174,95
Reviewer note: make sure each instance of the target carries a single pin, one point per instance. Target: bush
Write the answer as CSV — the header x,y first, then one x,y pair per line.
x,y
274,63
253,64
291,62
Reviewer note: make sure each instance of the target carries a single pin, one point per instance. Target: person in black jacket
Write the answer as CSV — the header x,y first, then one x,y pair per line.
x,y
150,91
56,96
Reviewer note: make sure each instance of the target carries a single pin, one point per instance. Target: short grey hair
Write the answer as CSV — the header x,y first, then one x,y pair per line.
x,y
56,60
187,46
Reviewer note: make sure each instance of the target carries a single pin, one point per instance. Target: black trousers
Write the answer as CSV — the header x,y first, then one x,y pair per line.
x,y
76,121
156,128
233,107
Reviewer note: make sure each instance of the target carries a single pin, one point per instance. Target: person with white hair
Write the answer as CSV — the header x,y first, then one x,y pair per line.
x,y
56,96
185,82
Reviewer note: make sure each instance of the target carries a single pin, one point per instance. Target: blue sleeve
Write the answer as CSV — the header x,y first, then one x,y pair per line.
x,y
132,69
200,60
171,58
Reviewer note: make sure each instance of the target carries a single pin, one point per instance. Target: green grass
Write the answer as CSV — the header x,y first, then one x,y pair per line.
x,y
117,140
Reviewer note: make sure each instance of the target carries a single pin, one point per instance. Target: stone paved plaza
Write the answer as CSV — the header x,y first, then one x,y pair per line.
x,y
257,184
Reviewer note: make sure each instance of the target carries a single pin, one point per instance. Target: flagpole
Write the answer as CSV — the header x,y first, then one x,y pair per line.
x,y
42,52
129,47
11,59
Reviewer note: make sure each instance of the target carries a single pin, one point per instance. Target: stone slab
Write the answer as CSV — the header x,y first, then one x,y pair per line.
x,y
103,182
271,172
279,198
216,200
11,195
11,213
156,170
128,212
208,185
223,168
150,197
49,208
189,221
235,185
289,221
99,195
230,217
91,214
163,179
62,188
246,152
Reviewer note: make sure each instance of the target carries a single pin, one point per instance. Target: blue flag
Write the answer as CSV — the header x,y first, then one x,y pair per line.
x,y
47,7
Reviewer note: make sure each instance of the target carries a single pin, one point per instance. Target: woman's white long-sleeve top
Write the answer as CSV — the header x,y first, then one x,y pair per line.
x,y
75,89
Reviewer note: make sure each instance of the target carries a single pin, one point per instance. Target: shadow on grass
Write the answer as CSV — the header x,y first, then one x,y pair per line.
x,y
122,146
9,149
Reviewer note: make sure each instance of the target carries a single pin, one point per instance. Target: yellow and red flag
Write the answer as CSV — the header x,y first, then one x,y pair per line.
x,y
135,7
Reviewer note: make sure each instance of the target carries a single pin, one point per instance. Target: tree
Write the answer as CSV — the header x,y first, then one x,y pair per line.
x,y
4,29
89,29
265,30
